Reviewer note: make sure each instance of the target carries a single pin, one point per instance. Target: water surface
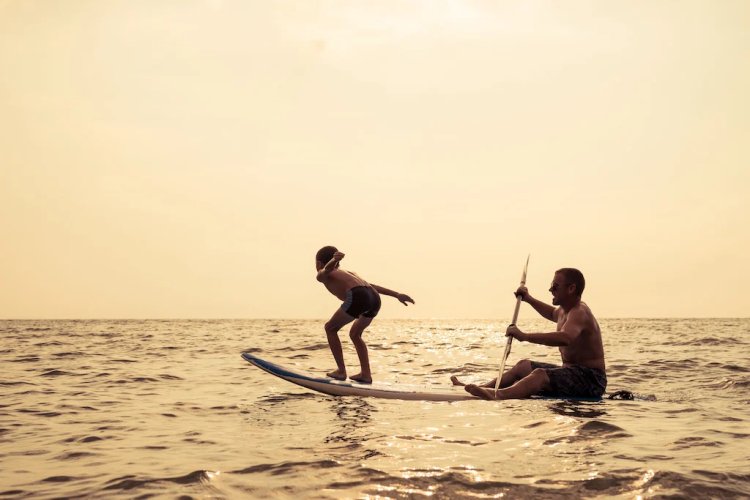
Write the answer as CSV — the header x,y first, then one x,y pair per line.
x,y
168,408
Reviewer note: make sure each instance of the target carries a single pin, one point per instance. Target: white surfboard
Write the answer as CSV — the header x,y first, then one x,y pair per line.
x,y
334,387
385,390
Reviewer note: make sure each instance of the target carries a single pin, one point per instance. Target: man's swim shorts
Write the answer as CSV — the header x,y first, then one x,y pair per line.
x,y
573,380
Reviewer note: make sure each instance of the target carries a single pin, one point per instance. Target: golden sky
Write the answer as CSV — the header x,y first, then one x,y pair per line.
x,y
186,159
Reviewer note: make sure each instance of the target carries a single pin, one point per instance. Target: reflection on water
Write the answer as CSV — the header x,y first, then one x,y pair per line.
x,y
579,409
138,408
351,430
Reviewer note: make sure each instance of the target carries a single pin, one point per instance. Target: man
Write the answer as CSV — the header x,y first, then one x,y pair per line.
x,y
583,372
361,303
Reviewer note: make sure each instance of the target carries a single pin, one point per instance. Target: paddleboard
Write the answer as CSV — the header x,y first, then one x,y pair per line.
x,y
384,390
334,387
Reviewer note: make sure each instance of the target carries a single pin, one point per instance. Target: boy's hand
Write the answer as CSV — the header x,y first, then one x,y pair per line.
x,y
403,298
338,256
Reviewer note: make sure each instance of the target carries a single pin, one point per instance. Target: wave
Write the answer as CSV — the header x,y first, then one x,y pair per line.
x,y
694,441
594,429
287,396
701,484
728,366
15,382
55,373
726,383
624,482
75,455
287,467
131,482
25,359
312,347
59,479
706,341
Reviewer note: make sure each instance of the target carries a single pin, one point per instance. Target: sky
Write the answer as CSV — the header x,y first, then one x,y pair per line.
x,y
186,159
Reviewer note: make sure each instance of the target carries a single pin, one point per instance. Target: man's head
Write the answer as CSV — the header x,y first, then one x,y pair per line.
x,y
324,256
568,282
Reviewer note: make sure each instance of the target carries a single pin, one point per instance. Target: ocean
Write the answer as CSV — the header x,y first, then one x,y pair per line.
x,y
169,409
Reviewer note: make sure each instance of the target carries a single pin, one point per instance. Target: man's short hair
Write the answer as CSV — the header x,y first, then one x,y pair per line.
x,y
325,254
574,277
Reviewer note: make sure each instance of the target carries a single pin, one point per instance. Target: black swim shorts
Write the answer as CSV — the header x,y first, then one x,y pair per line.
x,y
361,301
573,380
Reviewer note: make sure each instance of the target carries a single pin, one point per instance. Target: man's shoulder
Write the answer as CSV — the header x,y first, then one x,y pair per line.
x,y
582,312
588,310
583,307
586,317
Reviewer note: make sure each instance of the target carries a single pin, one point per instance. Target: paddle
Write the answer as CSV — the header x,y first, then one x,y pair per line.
x,y
509,340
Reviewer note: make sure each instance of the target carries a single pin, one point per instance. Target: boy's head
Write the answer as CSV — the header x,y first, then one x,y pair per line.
x,y
324,256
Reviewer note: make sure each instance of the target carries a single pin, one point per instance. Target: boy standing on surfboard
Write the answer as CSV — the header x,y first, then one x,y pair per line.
x,y
361,303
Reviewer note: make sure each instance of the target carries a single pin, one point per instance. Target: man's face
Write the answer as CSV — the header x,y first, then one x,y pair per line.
x,y
560,289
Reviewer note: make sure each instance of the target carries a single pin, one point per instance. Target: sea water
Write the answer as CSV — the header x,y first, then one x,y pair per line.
x,y
136,409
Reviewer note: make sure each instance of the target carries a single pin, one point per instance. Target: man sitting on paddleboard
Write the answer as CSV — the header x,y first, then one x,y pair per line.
x,y
582,374
361,303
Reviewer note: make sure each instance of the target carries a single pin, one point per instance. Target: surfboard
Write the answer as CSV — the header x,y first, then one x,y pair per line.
x,y
384,390
334,387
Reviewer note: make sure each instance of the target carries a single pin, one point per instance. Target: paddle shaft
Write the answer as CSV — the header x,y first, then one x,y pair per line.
x,y
509,340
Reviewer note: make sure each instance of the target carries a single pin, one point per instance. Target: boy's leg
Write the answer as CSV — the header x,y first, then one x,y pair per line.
x,y
358,327
332,327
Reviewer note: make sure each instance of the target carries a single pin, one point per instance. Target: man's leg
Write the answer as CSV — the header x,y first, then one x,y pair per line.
x,y
355,334
519,371
536,382
332,327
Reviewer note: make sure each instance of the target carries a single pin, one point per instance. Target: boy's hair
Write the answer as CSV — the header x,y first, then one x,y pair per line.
x,y
325,254
574,277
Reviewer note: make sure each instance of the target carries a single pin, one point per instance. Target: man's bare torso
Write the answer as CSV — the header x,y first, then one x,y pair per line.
x,y
587,349
338,282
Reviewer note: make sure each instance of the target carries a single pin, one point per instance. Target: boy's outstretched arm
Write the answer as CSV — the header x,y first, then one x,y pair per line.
x,y
402,297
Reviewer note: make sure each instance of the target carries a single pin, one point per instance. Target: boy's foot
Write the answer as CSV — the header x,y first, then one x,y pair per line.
x,y
455,381
337,374
361,379
481,392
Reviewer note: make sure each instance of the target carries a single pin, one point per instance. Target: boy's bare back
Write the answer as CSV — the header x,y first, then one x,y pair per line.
x,y
336,280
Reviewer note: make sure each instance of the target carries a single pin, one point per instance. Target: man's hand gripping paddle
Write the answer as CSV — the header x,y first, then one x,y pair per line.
x,y
509,340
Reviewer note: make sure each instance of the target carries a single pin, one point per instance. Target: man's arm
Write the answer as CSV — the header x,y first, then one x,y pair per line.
x,y
545,310
573,327
402,297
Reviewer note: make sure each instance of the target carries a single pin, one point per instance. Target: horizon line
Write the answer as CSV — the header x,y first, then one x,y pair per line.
x,y
326,318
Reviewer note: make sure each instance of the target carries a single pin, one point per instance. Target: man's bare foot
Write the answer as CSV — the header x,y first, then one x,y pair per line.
x,y
481,392
361,379
337,374
455,381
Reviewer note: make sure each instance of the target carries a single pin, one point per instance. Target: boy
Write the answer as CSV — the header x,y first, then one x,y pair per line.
x,y
361,303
